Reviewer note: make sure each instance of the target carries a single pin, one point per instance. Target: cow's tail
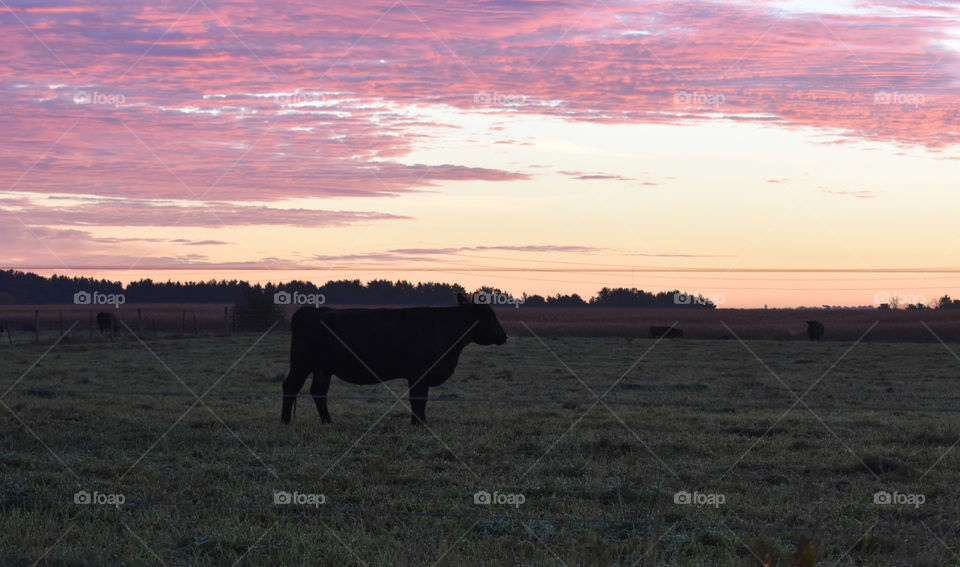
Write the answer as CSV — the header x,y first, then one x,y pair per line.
x,y
289,407
299,371
293,408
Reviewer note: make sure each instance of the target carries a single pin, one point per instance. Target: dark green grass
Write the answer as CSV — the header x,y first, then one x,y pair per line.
x,y
598,479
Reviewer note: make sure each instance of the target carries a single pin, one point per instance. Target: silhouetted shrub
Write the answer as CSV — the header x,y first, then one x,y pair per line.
x,y
256,311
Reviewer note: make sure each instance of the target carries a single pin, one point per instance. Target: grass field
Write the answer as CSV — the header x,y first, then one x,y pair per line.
x,y
598,481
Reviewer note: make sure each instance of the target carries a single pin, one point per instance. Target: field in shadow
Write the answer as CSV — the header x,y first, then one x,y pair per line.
x,y
778,446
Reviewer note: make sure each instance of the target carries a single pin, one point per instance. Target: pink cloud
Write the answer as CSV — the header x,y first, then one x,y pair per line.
x,y
236,101
211,214
245,102
862,194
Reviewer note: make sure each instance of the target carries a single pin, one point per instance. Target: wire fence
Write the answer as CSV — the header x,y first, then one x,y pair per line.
x,y
708,405
23,325
32,326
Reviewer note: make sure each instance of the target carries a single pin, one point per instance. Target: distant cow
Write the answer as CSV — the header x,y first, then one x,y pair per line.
x,y
814,330
368,346
657,331
107,322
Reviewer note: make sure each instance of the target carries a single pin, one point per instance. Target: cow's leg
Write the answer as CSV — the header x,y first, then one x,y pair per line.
x,y
418,402
318,389
291,387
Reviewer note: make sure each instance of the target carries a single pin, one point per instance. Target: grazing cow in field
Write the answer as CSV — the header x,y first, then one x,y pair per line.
x,y
814,330
657,331
368,346
107,322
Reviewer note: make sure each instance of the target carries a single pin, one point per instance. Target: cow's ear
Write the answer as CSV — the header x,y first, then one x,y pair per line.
x,y
461,300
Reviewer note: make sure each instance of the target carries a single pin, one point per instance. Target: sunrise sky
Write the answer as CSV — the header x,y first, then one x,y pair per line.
x,y
763,152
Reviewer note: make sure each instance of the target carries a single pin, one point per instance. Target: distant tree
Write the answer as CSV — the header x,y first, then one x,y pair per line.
x,y
946,303
633,297
256,311
534,301
566,301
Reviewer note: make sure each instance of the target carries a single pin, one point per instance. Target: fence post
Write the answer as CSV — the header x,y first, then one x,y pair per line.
x,y
226,320
61,323
6,327
36,326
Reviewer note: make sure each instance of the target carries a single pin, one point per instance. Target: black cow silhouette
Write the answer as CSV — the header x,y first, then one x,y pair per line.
x,y
107,322
657,331
368,346
814,330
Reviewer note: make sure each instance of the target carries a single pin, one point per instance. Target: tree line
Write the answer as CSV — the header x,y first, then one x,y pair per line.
x,y
25,288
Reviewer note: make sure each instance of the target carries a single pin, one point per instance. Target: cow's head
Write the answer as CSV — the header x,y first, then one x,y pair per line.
x,y
487,331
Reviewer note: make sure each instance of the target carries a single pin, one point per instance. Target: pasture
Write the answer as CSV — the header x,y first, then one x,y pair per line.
x,y
176,480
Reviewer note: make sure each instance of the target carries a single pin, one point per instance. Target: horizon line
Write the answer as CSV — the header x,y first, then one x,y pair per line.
x,y
507,269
